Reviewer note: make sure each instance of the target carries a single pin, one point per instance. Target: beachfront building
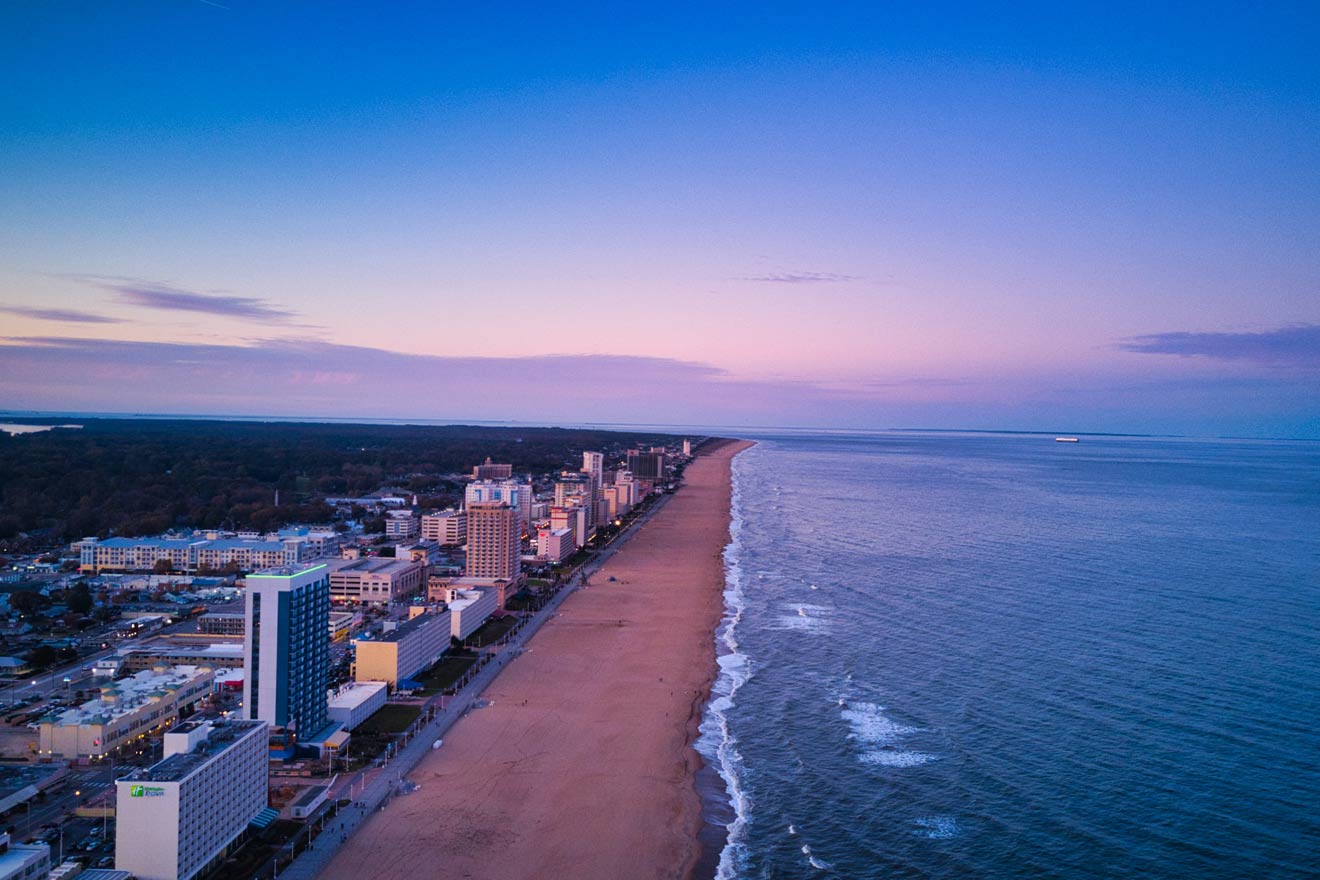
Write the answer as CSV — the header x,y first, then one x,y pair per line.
x,y
573,518
400,525
23,861
374,580
218,656
404,651
647,465
491,471
687,448
286,648
131,707
469,608
614,501
356,701
447,528
179,817
494,541
554,545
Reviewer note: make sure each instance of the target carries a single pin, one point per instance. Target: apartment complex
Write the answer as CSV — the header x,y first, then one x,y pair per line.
x,y
179,817
286,648
205,550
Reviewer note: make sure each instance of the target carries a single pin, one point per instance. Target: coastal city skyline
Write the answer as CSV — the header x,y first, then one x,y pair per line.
x,y
878,218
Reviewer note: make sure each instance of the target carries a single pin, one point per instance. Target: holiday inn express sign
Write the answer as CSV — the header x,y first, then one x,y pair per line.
x,y
146,791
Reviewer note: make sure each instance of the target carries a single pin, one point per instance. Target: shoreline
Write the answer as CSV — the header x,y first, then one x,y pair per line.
x,y
573,764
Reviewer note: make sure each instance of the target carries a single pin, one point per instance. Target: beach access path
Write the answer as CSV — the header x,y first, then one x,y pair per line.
x,y
578,760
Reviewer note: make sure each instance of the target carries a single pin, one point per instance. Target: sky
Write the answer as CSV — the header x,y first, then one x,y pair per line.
x,y
1064,217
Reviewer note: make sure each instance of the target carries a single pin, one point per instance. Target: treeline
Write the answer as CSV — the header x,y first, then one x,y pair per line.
x,y
144,476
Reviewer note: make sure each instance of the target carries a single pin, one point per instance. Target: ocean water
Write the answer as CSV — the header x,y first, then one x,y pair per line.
x,y
953,656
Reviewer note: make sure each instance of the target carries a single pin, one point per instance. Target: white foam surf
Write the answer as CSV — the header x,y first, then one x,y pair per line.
x,y
880,736
716,742
937,827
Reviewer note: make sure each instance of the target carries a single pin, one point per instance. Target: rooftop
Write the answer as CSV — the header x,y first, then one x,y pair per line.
x,y
14,777
354,694
222,735
128,695
287,571
408,627
221,651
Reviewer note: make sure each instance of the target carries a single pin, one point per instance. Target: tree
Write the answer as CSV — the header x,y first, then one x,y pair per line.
x,y
43,656
27,603
163,566
80,599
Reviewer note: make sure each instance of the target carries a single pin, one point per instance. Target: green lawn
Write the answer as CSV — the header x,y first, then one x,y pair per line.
x,y
390,718
443,674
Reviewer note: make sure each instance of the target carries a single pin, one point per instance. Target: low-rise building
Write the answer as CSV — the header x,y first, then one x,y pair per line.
x,y
226,655
554,545
342,624
220,624
23,861
469,608
179,817
400,524
404,651
448,528
356,701
374,580
128,708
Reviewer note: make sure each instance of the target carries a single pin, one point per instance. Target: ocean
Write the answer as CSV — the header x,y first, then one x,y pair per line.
x,y
977,655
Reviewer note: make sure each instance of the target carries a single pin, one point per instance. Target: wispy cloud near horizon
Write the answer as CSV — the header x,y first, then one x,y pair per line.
x,y
1295,345
800,278
314,379
70,316
167,297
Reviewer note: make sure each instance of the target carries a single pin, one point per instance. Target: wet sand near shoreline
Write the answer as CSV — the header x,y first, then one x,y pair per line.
x,y
582,764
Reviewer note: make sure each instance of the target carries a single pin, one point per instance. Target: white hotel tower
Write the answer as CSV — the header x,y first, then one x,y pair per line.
x,y
181,815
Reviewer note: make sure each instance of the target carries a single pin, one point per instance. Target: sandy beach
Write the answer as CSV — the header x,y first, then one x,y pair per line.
x,y
582,765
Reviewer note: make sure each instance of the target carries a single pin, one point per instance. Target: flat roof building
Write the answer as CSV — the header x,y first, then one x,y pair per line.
x,y
219,624
179,817
447,528
222,656
374,580
494,541
405,650
23,861
286,648
357,701
127,708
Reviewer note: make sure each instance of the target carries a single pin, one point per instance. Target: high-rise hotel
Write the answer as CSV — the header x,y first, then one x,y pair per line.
x,y
494,542
286,648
